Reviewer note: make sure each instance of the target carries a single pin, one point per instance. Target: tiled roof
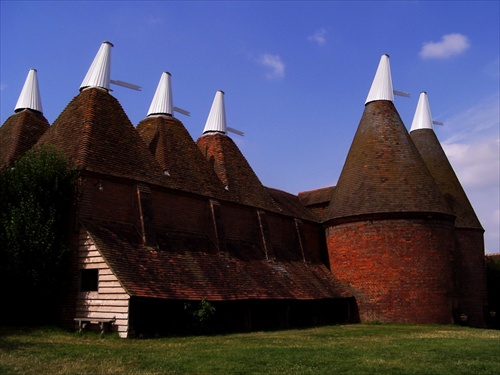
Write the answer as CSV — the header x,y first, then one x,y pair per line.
x,y
97,135
318,196
178,155
19,133
442,171
239,179
188,267
384,172
317,201
290,204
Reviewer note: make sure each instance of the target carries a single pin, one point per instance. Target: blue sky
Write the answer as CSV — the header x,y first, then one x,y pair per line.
x,y
296,74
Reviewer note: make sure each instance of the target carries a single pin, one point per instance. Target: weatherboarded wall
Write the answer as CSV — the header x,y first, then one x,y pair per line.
x,y
110,300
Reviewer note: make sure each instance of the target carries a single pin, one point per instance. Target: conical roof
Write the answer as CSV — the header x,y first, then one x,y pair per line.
x,y
381,88
22,130
430,149
96,134
162,103
19,133
99,73
240,181
216,121
178,155
30,94
384,172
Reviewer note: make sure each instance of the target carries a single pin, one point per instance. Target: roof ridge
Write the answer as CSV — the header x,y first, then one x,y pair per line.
x,y
88,129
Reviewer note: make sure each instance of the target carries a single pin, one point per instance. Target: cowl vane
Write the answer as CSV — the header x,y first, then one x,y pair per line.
x,y
422,118
216,121
30,94
381,88
99,73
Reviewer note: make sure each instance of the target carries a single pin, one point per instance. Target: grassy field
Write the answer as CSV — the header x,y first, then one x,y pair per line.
x,y
347,349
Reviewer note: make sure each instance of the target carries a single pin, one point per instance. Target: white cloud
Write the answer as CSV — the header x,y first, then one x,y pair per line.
x,y
477,163
450,45
473,123
474,152
274,63
319,36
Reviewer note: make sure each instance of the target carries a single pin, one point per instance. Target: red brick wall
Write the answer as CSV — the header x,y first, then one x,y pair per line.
x,y
471,275
399,270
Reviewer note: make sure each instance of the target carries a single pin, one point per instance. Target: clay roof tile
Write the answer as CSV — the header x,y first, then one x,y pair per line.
x,y
430,149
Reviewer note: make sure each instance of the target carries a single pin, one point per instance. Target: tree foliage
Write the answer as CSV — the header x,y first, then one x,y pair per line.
x,y
200,314
35,194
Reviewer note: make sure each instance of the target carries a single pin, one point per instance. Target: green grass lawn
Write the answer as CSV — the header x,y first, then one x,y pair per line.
x,y
346,349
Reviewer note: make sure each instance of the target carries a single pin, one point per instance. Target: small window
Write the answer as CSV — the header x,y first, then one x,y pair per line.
x,y
89,280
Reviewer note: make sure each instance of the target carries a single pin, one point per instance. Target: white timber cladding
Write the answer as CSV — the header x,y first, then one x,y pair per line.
x,y
110,300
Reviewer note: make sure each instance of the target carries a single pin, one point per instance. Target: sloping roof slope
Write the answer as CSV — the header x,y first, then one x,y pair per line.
x,y
188,267
97,136
318,196
384,172
427,143
239,179
178,155
19,133
317,201
290,204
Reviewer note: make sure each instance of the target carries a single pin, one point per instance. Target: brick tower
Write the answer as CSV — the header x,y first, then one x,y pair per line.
x,y
469,242
389,231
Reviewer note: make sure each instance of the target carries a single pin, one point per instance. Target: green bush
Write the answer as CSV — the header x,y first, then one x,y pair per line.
x,y
35,194
200,315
